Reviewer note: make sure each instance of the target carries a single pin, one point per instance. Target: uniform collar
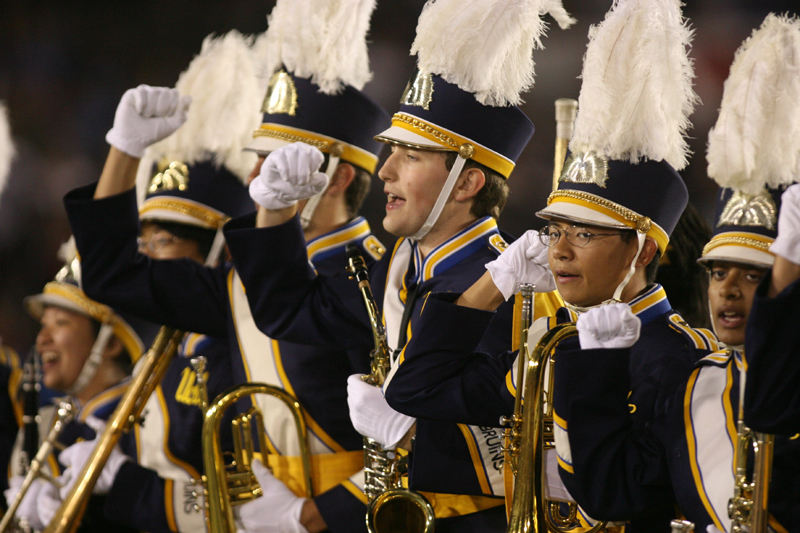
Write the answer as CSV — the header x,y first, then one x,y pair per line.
x,y
453,250
725,357
647,306
335,241
102,405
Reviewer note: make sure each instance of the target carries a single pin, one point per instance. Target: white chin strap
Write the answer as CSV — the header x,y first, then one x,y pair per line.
x,y
93,362
621,287
444,195
216,248
311,204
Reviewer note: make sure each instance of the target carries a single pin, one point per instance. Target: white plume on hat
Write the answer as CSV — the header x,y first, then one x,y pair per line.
x,y
324,40
226,99
485,46
756,140
637,94
7,150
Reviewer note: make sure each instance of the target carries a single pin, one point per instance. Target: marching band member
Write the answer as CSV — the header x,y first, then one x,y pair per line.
x,y
10,367
771,402
182,214
618,200
454,142
87,352
211,301
692,442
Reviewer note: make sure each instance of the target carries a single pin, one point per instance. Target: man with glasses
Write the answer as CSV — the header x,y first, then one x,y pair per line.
x,y
618,200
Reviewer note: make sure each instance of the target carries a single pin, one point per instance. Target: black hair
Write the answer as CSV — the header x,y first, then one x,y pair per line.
x,y
123,360
684,280
204,237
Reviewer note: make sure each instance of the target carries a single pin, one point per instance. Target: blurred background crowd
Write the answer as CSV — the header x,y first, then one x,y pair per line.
x,y
64,67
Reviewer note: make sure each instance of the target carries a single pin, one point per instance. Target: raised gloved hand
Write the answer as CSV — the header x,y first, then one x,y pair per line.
x,y
75,456
608,326
524,261
289,174
787,244
27,508
372,416
146,115
276,511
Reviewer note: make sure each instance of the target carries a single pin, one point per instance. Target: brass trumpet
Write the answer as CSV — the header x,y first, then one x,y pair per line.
x,y
530,432
234,484
748,506
392,508
64,414
128,412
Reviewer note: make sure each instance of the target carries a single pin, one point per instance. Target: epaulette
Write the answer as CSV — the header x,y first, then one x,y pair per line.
x,y
496,241
700,338
9,357
374,247
718,358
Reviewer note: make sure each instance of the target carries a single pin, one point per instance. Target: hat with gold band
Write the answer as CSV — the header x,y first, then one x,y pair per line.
x,y
752,148
746,224
68,296
316,68
600,192
437,115
196,175
341,124
628,140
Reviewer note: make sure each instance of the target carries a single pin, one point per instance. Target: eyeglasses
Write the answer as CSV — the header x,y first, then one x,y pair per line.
x,y
576,236
155,242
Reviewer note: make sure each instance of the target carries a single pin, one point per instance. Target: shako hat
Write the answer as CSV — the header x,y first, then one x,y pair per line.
x,y
196,175
473,63
314,54
753,148
628,142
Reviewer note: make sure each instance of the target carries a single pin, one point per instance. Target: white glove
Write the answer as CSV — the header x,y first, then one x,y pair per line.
x,y
27,508
372,416
277,511
146,115
74,458
49,499
608,326
787,244
524,261
289,174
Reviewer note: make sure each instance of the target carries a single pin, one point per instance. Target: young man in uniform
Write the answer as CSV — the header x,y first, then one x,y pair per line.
x,y
618,200
211,301
692,442
445,183
185,205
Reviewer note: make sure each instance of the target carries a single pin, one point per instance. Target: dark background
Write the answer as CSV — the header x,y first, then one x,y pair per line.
x,y
64,66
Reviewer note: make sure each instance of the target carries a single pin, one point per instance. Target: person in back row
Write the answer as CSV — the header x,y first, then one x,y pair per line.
x,y
181,293
454,143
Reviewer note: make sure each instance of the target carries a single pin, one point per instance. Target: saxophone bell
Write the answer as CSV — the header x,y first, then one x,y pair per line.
x,y
392,508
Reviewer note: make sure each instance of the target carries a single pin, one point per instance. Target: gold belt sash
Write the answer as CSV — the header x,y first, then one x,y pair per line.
x,y
327,469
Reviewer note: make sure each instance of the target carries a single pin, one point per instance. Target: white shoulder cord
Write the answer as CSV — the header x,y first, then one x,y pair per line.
x,y
95,359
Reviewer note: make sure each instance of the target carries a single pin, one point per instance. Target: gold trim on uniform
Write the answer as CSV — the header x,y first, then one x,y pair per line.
x,y
744,209
99,312
738,240
195,211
